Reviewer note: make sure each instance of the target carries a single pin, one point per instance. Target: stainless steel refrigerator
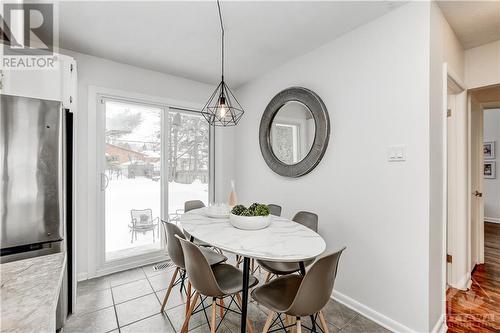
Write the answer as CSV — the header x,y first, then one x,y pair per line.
x,y
33,184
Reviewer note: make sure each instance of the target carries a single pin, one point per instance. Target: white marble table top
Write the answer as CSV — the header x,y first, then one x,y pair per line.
x,y
283,240
29,293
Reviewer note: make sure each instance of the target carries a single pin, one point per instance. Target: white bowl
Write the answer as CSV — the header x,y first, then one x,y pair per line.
x,y
249,222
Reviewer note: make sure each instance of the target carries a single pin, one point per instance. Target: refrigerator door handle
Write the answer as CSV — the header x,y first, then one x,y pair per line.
x,y
104,181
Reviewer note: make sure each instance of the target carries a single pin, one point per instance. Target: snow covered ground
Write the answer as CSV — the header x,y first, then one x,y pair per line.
x,y
124,194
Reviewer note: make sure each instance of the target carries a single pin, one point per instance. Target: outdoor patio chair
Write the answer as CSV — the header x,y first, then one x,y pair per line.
x,y
142,221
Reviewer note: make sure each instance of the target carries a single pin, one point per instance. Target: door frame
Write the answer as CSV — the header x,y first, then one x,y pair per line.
x,y
454,231
96,264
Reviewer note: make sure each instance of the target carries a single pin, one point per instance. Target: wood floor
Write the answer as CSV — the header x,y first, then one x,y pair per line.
x,y
478,309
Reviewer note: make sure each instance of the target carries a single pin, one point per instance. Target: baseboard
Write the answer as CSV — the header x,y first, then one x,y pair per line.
x,y
371,314
492,219
82,276
440,326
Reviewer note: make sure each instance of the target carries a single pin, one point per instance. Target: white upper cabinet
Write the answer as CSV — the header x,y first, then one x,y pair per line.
x,y
57,84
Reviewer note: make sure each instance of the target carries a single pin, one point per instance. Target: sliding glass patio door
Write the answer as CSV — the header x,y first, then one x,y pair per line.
x,y
153,159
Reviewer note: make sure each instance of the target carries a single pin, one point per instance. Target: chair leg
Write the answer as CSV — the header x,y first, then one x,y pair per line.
x,y
322,320
185,326
169,289
153,235
214,315
249,323
299,325
269,320
188,301
268,277
183,279
221,303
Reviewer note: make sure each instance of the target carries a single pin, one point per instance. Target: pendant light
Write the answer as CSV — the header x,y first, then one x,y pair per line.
x,y
222,108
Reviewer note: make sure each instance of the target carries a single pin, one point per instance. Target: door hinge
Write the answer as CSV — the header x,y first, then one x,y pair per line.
x,y
449,258
448,113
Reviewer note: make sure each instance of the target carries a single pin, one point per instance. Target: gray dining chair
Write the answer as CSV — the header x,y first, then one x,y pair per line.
x,y
215,282
299,296
307,219
193,204
274,209
172,235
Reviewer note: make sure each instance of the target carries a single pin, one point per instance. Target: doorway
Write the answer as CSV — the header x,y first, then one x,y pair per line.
x,y
151,159
473,306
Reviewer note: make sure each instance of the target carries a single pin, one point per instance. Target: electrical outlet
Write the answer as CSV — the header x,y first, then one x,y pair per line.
x,y
396,153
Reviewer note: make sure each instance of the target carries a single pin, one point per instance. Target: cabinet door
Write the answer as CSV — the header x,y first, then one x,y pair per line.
x,y
43,84
57,84
68,83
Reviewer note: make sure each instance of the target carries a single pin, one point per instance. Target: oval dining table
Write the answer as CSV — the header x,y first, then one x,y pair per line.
x,y
282,241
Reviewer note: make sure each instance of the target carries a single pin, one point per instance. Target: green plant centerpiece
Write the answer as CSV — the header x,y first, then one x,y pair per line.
x,y
252,218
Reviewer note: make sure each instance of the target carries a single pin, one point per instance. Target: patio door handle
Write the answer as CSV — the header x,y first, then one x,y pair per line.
x,y
104,181
478,194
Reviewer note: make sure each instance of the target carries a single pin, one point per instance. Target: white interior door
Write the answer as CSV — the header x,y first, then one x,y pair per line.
x,y
476,177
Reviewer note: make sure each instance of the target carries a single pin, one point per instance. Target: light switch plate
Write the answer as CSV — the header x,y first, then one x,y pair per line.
x,y
396,153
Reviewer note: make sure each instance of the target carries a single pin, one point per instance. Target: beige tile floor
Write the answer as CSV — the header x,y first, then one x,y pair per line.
x,y
130,302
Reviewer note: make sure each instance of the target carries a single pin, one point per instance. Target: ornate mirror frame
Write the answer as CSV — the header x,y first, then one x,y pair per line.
x,y
321,137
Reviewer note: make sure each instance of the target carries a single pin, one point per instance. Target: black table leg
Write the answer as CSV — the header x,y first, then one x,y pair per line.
x,y
244,297
303,272
302,268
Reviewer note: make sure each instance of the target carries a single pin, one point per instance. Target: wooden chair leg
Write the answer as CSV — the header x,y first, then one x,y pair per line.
x,y
299,325
185,326
269,320
249,323
169,289
268,277
214,316
188,301
322,320
221,303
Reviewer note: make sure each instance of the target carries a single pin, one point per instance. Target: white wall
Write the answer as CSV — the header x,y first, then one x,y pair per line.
x,y
375,84
492,186
112,75
482,65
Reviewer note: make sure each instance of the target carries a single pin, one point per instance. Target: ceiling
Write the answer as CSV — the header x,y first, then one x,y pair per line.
x,y
183,38
475,22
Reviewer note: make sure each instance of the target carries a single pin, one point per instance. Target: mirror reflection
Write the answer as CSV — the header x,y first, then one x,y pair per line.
x,y
292,132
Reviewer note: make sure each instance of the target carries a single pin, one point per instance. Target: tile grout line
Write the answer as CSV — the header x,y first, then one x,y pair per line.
x,y
116,314
348,323
159,301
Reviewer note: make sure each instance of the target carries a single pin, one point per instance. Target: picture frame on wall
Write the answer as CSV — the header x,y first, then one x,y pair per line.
x,y
489,170
489,150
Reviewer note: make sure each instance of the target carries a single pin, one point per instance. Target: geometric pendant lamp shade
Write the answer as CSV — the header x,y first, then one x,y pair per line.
x,y
222,109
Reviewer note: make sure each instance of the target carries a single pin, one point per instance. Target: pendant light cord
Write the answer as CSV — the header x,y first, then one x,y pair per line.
x,y
222,46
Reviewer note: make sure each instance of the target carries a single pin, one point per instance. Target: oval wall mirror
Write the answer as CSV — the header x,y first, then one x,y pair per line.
x,y
294,132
